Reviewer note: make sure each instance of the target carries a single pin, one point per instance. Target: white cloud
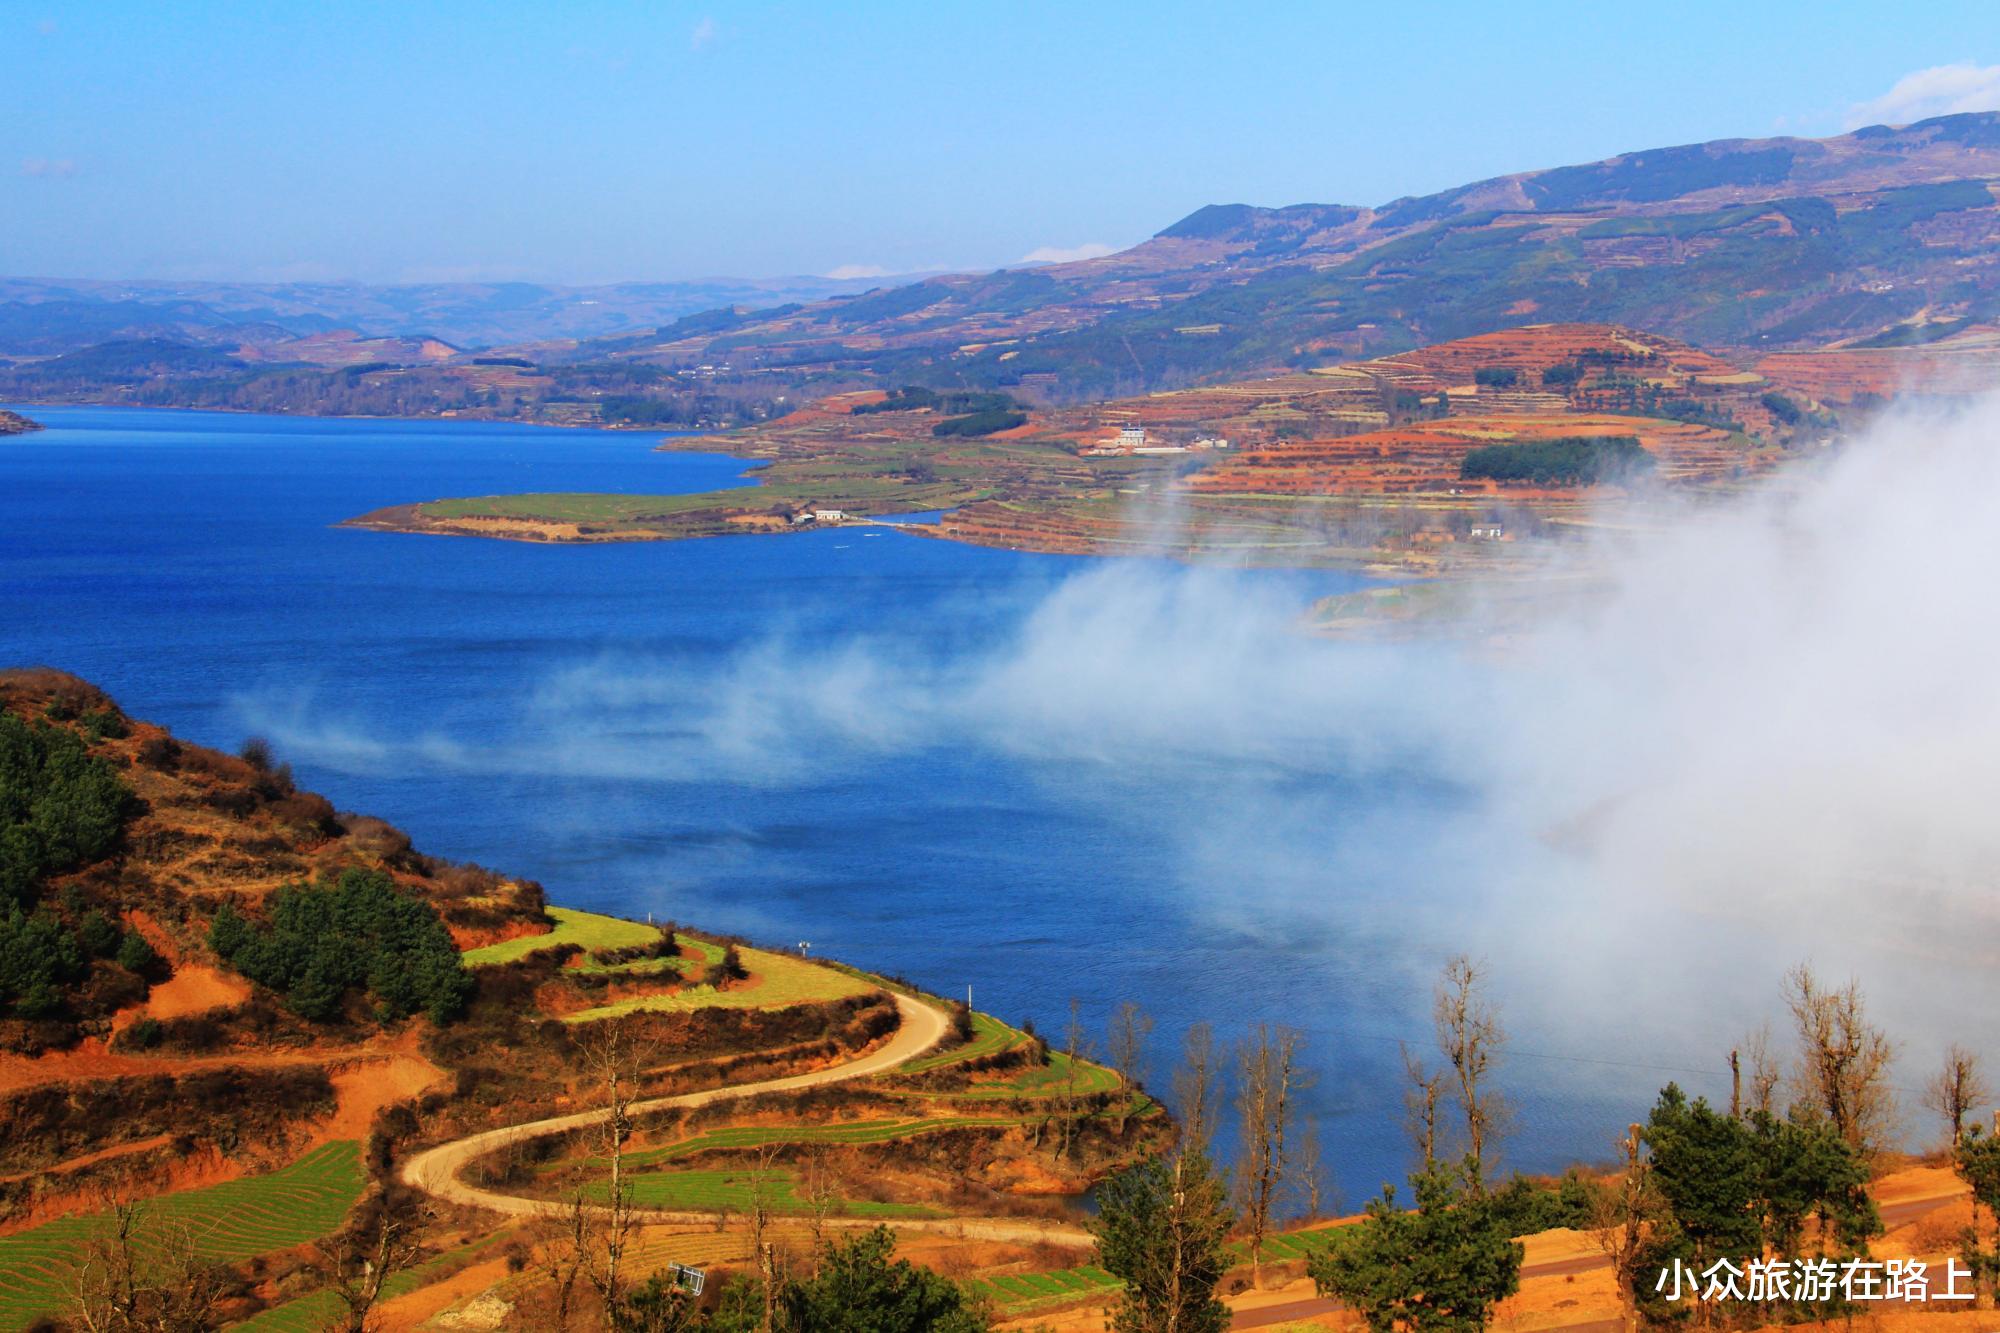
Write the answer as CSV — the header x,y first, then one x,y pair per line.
x,y
704,33
1058,254
49,168
859,271
1941,90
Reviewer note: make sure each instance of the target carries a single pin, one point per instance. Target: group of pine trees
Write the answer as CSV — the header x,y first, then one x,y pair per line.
x,y
355,933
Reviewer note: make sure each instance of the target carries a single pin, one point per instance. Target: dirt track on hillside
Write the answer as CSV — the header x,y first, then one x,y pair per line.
x,y
437,1171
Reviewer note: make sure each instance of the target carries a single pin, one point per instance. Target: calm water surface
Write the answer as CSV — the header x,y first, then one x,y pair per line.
x,y
763,735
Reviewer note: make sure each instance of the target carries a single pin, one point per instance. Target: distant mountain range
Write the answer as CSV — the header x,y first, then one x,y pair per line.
x,y
45,316
1752,244
1884,237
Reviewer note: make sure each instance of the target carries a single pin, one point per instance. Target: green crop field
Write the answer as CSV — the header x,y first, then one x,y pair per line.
x,y
725,1187
706,955
1050,1080
860,1131
734,1190
585,929
227,1222
1021,1291
777,981
989,1037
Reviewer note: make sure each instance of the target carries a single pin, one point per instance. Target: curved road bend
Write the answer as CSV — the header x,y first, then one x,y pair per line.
x,y
438,1171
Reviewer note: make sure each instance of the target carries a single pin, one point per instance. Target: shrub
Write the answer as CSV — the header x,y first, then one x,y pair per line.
x,y
105,724
97,935
728,968
256,752
136,955
1783,408
1496,377
160,752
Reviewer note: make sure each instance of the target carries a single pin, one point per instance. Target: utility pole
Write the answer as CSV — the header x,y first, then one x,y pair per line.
x,y
1735,1086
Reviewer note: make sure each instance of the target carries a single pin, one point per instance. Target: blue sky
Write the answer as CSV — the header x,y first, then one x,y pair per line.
x,y
582,142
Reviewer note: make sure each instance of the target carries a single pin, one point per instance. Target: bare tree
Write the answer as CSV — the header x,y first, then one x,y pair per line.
x,y
1956,1090
1469,1037
762,1189
613,1055
1618,1222
1844,1059
1130,1027
137,1275
1309,1185
1420,1106
1194,1089
378,1243
822,1192
1069,1107
1764,1075
567,1241
1267,1078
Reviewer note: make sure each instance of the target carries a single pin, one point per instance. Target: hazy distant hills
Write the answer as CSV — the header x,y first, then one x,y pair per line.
x,y
1885,237
41,316
1739,243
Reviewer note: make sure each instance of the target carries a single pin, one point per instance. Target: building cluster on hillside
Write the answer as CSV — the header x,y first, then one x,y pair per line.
x,y
1132,439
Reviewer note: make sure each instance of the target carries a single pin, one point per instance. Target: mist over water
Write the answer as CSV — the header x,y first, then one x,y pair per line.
x,y
1752,732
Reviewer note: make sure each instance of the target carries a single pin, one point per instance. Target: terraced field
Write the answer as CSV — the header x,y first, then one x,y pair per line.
x,y
989,1037
1048,1080
706,955
733,1189
777,982
585,929
313,1313
228,1222
1021,1293
859,1131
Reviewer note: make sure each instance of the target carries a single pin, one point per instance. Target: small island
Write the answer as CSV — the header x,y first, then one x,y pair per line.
x,y
13,423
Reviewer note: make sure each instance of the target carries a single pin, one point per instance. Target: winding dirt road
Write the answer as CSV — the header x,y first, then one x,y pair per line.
x,y
439,1171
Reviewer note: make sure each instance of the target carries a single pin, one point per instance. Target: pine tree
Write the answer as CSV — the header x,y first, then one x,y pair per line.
x,y
1439,1269
1160,1227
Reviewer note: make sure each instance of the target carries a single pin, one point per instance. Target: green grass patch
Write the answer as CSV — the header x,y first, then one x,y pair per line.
x,y
228,1222
734,1189
777,982
1050,1080
587,930
737,1137
989,1037
706,955
1019,1292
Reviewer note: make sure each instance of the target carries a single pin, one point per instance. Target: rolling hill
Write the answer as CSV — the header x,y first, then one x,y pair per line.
x,y
1780,243
1882,240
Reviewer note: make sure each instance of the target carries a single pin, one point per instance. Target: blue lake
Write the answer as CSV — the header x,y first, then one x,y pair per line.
x,y
910,753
